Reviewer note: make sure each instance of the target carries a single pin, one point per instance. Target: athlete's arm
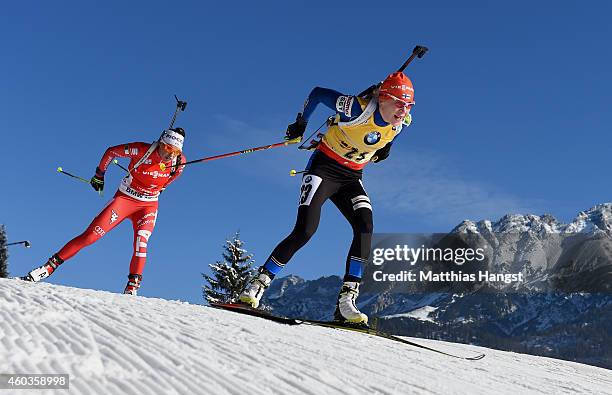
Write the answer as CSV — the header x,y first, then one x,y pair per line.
x,y
129,150
347,106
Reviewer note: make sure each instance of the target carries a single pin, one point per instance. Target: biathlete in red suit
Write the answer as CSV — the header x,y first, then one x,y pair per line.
x,y
152,169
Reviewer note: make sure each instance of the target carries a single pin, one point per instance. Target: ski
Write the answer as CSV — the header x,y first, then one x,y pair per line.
x,y
385,335
243,309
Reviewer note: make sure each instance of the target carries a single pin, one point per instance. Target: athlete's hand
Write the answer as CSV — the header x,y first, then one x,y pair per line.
x,y
382,153
97,181
297,128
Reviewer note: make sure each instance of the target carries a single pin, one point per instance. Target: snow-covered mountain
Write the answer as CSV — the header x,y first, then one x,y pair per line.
x,y
563,309
596,219
553,256
118,344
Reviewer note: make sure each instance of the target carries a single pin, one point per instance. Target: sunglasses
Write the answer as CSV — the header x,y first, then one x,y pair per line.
x,y
399,103
170,149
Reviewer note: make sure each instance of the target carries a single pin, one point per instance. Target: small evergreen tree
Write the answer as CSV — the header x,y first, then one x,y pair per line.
x,y
3,253
231,275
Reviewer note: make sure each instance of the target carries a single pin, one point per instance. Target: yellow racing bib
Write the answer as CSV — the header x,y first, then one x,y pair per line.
x,y
354,143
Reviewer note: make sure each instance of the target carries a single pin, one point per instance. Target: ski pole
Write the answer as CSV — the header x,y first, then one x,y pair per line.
x,y
418,52
115,161
293,172
235,153
60,170
25,243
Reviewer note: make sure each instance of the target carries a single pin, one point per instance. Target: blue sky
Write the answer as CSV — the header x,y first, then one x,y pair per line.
x,y
511,116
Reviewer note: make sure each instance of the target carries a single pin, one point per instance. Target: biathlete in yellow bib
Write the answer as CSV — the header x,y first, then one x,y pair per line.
x,y
363,131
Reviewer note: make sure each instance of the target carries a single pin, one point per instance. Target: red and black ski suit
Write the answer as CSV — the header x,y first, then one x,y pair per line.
x,y
135,199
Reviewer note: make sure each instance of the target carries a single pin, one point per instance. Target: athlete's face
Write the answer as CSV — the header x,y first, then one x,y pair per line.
x,y
167,152
392,110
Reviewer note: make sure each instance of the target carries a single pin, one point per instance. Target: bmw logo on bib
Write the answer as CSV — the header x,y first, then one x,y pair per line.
x,y
372,138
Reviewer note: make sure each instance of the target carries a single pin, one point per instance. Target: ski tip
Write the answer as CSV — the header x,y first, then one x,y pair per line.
x,y
59,169
292,173
476,358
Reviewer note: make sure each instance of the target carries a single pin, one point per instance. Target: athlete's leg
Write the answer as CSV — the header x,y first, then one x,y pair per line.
x,y
143,222
313,193
354,203
112,215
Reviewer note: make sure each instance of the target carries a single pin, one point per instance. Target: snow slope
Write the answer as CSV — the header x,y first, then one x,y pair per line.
x,y
118,344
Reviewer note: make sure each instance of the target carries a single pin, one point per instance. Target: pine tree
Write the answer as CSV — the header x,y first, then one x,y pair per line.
x,y
3,253
231,275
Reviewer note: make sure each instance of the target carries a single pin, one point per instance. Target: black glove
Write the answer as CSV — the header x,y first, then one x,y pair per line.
x,y
297,128
97,181
381,154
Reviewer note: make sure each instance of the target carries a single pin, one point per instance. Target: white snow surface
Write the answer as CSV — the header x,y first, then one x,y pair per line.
x,y
119,344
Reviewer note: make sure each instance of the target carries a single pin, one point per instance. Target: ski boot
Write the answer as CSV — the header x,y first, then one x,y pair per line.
x,y
254,290
133,284
44,271
346,310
